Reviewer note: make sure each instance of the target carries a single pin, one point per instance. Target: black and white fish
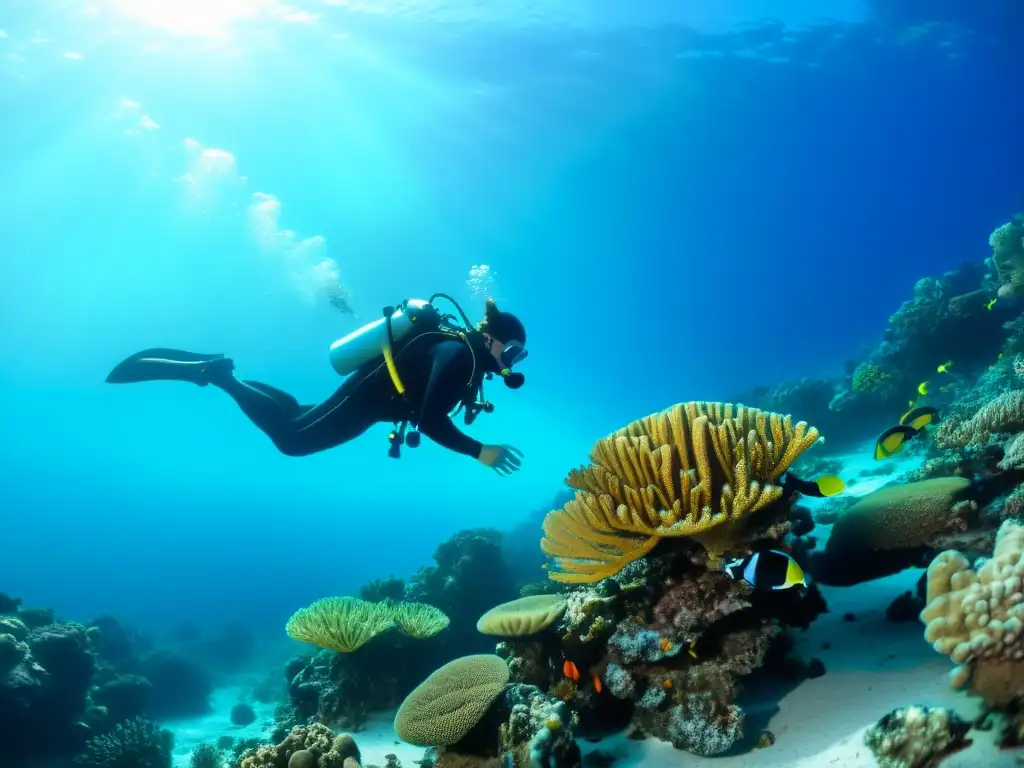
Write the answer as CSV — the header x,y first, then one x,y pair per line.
x,y
770,569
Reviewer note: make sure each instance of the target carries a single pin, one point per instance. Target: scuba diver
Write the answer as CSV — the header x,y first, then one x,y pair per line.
x,y
414,367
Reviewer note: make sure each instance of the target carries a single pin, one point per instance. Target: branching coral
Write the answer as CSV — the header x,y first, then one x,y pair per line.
x,y
697,469
135,744
1003,414
976,617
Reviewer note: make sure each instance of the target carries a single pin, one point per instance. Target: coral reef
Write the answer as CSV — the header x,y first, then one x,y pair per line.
x,y
341,689
1004,414
519,727
662,646
45,674
136,743
948,318
657,636
699,470
313,746
916,737
64,685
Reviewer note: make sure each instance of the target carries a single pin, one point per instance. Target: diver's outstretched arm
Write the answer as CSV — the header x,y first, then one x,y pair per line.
x,y
449,373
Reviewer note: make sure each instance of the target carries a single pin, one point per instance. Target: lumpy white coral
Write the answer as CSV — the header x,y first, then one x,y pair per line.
x,y
976,615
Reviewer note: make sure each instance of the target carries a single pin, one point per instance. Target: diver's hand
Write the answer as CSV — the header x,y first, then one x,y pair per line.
x,y
503,459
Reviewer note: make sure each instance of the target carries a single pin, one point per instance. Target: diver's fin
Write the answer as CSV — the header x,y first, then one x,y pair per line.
x,y
285,400
162,364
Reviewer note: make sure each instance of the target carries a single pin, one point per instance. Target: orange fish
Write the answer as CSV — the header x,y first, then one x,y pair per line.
x,y
570,671
597,684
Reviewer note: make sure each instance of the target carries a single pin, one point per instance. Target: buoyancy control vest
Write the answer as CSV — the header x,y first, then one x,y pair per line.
x,y
400,326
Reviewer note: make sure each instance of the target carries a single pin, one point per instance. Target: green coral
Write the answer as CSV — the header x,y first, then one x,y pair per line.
x,y
345,624
868,377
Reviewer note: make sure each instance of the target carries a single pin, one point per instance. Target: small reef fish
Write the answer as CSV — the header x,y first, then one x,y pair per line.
x,y
769,569
918,418
892,441
572,672
820,487
922,389
991,304
944,368
911,424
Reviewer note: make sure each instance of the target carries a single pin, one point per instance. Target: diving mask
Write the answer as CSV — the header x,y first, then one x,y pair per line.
x,y
512,353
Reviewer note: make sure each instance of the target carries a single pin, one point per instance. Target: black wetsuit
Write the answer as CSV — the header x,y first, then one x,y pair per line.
x,y
437,371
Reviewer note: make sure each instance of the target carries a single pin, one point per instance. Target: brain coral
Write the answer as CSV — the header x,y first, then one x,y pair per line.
x,y
899,516
522,617
445,707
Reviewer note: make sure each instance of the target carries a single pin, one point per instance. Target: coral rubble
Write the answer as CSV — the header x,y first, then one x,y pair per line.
x,y
916,737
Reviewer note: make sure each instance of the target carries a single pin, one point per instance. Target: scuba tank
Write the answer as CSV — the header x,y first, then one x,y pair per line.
x,y
363,344
397,324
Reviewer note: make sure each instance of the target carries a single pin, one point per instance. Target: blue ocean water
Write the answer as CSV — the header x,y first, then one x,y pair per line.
x,y
680,201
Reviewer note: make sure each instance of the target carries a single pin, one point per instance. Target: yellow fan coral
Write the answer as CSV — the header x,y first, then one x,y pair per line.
x,y
692,470
584,547
418,620
341,624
